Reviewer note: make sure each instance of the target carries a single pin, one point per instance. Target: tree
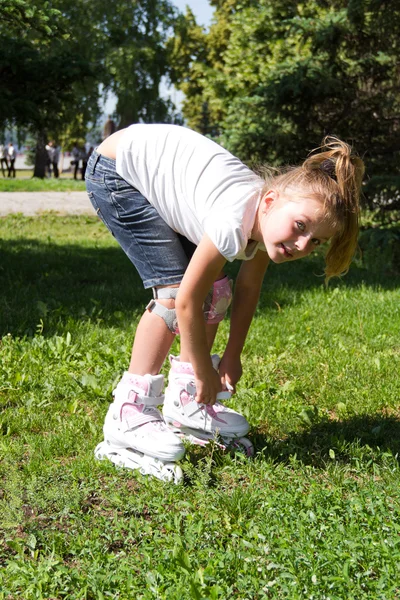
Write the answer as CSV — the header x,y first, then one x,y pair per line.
x,y
45,81
135,58
53,62
280,75
188,63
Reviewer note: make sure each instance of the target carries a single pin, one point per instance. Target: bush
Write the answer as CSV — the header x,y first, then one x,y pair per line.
x,y
380,249
382,195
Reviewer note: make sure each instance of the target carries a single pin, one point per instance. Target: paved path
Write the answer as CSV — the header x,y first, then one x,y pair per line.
x,y
34,203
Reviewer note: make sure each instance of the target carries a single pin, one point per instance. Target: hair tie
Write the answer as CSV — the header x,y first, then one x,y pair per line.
x,y
328,167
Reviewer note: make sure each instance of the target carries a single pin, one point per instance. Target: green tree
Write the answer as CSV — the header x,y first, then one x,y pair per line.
x,y
279,75
45,81
135,56
53,62
189,65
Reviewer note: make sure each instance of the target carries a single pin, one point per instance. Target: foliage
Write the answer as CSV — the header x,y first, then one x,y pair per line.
x,y
135,58
380,249
35,101
382,195
188,47
55,58
278,76
46,82
314,515
28,20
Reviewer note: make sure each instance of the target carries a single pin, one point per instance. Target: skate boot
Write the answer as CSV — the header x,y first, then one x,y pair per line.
x,y
200,423
135,435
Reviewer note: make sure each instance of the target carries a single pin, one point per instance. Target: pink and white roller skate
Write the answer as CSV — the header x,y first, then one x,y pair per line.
x,y
135,435
201,423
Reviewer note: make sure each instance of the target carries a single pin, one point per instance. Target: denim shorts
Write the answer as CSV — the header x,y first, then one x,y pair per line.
x,y
159,254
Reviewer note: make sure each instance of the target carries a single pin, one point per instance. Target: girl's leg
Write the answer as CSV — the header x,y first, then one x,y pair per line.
x,y
153,335
133,421
158,253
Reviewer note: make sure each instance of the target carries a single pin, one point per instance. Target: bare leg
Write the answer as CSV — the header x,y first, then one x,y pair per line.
x,y
152,342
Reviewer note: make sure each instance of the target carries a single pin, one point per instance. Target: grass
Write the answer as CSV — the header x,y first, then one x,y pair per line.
x,y
315,515
25,182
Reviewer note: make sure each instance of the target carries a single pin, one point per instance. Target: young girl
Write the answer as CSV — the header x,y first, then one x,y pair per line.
x,y
181,206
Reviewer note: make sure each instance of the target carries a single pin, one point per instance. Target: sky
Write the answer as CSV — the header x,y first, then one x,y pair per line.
x,y
203,13
200,8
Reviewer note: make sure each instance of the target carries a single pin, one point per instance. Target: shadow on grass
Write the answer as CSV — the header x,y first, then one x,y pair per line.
x,y
363,438
46,280
53,282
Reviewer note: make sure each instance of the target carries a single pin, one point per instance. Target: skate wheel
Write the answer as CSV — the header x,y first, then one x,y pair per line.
x,y
247,446
172,473
99,451
241,445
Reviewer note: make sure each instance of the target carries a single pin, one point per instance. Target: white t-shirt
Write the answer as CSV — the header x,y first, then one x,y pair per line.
x,y
12,152
195,185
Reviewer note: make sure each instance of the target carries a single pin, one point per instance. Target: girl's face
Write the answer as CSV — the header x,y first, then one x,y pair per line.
x,y
293,229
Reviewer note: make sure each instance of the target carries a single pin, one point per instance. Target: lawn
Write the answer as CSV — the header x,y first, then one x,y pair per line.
x,y
24,182
314,515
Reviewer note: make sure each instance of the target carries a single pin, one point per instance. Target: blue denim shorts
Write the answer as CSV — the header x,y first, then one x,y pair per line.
x,y
159,254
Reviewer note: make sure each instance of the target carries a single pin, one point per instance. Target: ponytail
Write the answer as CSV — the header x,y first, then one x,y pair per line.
x,y
342,174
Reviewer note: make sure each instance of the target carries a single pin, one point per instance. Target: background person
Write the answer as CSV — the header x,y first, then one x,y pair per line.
x,y
76,156
54,156
49,151
12,155
109,127
3,160
85,158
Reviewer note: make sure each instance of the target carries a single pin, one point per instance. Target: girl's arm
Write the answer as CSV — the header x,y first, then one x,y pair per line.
x,y
204,268
245,300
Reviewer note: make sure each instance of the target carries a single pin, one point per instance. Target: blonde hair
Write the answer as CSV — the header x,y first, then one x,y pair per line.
x,y
332,174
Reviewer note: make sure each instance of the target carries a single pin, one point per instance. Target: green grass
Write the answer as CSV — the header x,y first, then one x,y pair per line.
x,y
315,515
24,182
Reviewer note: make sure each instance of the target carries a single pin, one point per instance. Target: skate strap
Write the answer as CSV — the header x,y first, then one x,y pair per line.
x,y
140,398
141,419
225,395
151,400
190,388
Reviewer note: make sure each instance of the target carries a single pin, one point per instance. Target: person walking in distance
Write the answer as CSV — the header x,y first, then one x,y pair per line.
x,y
3,160
76,156
12,155
109,127
53,152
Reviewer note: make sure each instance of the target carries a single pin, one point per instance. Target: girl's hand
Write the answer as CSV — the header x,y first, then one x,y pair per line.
x,y
208,387
230,371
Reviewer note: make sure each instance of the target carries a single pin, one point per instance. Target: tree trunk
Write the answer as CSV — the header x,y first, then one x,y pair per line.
x,y
41,157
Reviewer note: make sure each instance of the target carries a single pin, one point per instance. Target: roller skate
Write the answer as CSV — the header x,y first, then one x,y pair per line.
x,y
201,423
135,435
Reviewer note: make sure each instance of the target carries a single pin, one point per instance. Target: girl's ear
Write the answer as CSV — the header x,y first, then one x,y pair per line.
x,y
268,198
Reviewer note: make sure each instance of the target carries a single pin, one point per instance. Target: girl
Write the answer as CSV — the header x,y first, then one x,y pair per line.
x,y
181,206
